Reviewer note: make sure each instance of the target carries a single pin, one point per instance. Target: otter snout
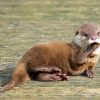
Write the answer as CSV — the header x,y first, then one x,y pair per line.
x,y
94,41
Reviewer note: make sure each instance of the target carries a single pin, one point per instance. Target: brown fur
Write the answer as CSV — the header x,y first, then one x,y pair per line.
x,y
46,55
44,60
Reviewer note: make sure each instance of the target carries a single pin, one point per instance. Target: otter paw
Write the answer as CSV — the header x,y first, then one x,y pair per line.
x,y
52,77
48,77
63,76
55,77
89,73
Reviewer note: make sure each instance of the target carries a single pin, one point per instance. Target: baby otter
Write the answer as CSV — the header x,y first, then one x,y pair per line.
x,y
54,61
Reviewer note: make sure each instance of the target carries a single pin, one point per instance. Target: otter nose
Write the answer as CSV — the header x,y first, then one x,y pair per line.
x,y
94,38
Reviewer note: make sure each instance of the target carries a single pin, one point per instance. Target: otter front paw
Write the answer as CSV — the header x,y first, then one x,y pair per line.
x,y
88,73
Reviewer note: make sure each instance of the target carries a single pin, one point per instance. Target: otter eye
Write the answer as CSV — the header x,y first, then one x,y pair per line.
x,y
86,35
99,33
77,33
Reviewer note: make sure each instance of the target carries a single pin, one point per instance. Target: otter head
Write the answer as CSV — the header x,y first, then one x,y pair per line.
x,y
87,34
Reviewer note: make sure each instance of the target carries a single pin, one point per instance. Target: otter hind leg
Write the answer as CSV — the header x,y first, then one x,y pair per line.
x,y
48,77
50,73
52,77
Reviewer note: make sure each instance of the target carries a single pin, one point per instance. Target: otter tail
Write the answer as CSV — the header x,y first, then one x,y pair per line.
x,y
20,76
8,86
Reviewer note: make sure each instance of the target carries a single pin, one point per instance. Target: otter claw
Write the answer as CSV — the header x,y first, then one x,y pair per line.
x,y
89,73
63,76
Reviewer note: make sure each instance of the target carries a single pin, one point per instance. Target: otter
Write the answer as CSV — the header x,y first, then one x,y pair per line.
x,y
55,61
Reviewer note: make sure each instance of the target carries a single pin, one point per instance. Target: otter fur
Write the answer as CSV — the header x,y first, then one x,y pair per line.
x,y
55,61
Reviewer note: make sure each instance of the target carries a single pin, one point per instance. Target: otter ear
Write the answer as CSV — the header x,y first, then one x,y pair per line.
x,y
77,32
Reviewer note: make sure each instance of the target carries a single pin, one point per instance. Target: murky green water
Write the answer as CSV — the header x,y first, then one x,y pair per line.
x,y
24,23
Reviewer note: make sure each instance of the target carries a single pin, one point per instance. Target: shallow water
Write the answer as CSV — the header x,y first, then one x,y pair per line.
x,y
24,23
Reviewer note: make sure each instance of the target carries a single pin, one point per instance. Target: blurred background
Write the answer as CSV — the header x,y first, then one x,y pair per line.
x,y
24,23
